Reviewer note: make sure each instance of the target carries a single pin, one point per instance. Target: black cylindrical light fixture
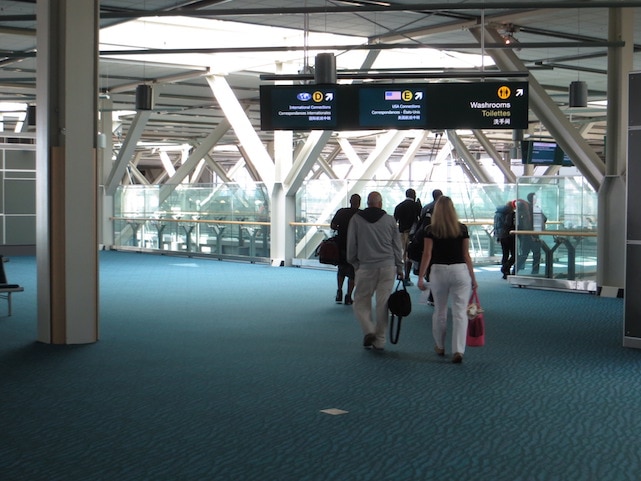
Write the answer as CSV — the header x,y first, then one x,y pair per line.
x,y
31,115
578,94
144,97
325,68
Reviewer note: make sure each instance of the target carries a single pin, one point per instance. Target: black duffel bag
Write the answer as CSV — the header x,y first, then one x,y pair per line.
x,y
400,306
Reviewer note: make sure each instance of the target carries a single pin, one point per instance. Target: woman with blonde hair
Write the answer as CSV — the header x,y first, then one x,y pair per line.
x,y
447,251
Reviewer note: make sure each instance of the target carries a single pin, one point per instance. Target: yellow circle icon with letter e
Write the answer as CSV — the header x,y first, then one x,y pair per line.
x,y
407,95
504,92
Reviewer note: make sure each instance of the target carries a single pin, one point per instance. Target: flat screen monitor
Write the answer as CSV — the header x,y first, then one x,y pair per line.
x,y
565,158
539,152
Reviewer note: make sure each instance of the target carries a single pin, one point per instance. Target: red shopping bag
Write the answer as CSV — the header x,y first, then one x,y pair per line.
x,y
476,322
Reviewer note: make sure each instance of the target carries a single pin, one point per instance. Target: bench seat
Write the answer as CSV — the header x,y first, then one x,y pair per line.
x,y
6,290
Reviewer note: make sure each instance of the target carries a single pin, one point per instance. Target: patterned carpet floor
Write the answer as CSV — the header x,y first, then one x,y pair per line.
x,y
209,370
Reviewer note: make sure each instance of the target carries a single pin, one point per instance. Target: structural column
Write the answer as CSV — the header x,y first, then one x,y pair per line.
x,y
283,204
632,311
612,194
66,194
105,166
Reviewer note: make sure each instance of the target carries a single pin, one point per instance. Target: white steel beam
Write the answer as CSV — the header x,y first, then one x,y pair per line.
x,y
495,155
194,158
243,128
166,163
464,154
410,153
350,152
240,164
325,164
127,150
306,158
137,174
218,170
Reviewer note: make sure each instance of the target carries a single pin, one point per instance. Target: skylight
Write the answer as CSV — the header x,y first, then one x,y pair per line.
x,y
191,34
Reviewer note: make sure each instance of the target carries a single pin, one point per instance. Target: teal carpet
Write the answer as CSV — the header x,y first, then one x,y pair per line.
x,y
210,370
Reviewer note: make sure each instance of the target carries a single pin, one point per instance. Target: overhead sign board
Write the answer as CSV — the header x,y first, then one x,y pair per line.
x,y
435,106
391,107
478,105
305,107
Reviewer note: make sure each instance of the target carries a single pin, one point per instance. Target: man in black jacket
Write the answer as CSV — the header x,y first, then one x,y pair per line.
x,y
339,223
407,214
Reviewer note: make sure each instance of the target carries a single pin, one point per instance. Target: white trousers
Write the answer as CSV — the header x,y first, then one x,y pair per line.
x,y
370,282
450,282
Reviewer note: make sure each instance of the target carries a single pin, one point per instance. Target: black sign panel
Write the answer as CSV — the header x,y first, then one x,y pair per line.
x,y
391,107
435,106
478,105
305,107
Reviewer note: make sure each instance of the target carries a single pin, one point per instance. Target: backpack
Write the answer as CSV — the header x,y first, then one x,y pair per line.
x,y
328,252
415,245
502,223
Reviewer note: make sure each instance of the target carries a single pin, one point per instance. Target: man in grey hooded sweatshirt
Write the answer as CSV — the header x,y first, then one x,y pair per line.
x,y
374,249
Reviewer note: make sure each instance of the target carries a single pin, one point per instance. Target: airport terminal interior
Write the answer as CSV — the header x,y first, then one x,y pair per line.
x,y
186,166
233,130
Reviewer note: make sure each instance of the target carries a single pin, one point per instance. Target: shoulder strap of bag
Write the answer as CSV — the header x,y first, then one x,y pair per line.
x,y
394,328
395,321
475,297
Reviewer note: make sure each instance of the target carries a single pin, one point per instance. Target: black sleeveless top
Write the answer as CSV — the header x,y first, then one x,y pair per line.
x,y
448,250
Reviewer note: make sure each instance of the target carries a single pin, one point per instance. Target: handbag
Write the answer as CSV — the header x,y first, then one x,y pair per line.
x,y
399,304
476,322
329,252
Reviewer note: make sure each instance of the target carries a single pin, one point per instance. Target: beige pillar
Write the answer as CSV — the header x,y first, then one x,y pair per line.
x,y
66,179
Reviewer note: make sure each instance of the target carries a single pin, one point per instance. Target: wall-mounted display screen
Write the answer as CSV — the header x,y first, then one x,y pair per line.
x,y
542,152
539,152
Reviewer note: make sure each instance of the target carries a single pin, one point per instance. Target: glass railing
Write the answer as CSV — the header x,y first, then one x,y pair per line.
x,y
226,220
317,201
556,228
233,220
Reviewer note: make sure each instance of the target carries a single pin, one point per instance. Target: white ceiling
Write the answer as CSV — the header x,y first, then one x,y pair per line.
x,y
557,41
